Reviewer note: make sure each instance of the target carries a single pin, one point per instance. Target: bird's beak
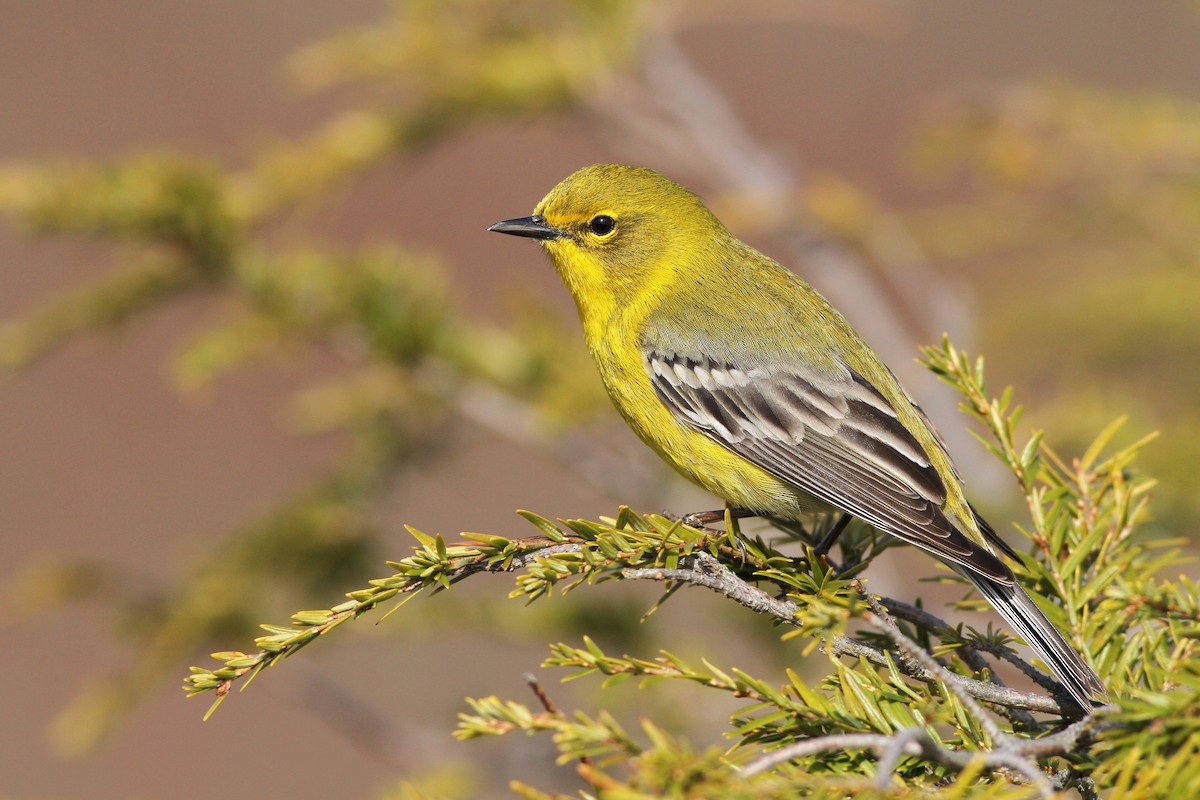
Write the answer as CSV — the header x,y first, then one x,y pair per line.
x,y
534,227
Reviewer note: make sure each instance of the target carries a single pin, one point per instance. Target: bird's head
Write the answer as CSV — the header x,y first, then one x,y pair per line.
x,y
618,233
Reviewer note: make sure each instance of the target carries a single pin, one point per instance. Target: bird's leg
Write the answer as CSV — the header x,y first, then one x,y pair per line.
x,y
699,519
831,538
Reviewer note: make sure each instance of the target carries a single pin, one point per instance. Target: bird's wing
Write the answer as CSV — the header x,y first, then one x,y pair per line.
x,y
839,439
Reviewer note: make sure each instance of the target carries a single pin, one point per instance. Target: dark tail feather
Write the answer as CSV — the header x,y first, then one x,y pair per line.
x,y
993,538
1028,620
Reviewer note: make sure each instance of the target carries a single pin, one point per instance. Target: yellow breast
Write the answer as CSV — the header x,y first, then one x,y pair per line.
x,y
616,348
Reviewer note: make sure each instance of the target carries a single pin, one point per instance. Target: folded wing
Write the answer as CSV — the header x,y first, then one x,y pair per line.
x,y
837,438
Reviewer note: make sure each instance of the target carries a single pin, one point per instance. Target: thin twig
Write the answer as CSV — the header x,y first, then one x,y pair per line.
x,y
518,561
909,742
905,743
711,573
923,618
1075,738
551,707
809,747
969,652
883,621
702,569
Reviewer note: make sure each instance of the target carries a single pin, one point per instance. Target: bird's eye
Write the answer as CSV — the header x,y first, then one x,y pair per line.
x,y
602,225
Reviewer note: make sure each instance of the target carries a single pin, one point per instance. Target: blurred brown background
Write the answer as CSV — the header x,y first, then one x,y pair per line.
x,y
102,459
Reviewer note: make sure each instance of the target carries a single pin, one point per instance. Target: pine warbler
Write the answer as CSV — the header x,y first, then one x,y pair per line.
x,y
749,383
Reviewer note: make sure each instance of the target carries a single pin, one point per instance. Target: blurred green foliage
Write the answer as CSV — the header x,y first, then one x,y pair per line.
x,y
1079,228
178,225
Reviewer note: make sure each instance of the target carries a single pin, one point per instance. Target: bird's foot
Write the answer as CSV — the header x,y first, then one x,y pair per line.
x,y
702,519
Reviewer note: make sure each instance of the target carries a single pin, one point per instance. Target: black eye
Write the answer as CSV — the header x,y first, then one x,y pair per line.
x,y
602,225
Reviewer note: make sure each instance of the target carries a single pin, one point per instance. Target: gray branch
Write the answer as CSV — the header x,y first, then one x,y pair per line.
x,y
914,742
883,621
1011,756
704,570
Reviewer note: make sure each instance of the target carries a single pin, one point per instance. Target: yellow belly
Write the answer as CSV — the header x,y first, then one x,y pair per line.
x,y
696,456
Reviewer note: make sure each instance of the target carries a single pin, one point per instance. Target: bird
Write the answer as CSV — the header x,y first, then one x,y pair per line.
x,y
747,381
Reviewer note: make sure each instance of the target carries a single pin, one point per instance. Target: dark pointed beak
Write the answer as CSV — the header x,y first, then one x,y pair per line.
x,y
534,227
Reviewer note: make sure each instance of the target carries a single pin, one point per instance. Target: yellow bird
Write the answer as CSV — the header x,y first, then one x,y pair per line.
x,y
743,378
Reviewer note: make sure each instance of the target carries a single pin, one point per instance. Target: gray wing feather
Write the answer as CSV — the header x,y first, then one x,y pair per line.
x,y
837,439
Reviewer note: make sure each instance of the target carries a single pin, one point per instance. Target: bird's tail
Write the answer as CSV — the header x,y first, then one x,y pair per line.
x,y
1028,620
